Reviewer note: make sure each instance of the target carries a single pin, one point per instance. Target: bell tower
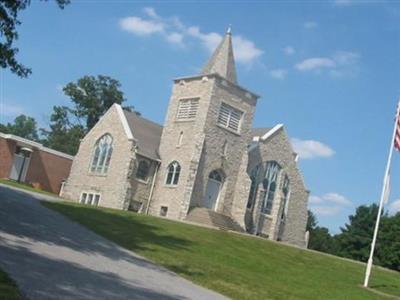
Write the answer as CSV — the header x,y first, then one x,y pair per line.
x,y
206,133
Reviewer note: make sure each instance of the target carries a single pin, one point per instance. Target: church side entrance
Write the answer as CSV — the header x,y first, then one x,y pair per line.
x,y
214,186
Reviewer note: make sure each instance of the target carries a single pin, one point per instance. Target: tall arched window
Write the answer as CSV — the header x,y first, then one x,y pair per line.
x,y
173,172
142,171
270,184
102,155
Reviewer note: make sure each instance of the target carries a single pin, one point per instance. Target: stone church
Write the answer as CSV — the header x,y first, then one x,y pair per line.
x,y
206,165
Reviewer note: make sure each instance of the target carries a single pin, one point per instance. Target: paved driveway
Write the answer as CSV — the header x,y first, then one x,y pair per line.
x,y
51,257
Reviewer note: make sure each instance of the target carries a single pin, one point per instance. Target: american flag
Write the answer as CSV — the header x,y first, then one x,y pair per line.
x,y
397,135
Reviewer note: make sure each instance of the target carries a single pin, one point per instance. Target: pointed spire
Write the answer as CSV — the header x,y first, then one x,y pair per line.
x,y
222,60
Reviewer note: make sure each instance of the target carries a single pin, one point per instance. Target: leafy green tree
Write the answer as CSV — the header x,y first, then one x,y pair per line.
x,y
388,254
92,97
23,126
63,135
320,238
355,239
9,10
311,221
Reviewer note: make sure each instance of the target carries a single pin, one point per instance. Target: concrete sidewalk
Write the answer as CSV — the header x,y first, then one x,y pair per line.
x,y
51,257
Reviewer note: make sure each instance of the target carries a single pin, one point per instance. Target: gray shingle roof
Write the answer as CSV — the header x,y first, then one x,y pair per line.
x,y
147,133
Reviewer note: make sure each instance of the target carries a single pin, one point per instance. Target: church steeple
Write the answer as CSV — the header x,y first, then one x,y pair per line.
x,y
222,61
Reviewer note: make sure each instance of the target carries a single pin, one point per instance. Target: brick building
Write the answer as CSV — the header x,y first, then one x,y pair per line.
x,y
32,163
206,164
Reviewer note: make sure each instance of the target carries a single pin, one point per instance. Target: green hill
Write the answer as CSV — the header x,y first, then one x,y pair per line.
x,y
238,266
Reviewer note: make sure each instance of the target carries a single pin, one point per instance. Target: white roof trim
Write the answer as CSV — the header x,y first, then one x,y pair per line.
x,y
35,144
271,132
124,122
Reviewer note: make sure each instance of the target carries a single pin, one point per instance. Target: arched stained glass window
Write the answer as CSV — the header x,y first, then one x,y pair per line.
x,y
173,172
269,185
102,155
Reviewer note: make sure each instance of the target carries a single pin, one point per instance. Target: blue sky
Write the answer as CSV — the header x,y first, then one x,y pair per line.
x,y
328,70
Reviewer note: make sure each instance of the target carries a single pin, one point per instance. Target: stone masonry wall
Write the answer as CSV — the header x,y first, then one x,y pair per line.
x,y
113,185
278,148
236,144
177,198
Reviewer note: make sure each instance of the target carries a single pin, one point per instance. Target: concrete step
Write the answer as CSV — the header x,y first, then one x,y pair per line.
x,y
211,218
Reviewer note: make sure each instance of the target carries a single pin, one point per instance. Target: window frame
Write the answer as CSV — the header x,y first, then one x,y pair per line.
x,y
230,111
146,178
189,113
268,181
175,174
92,195
101,158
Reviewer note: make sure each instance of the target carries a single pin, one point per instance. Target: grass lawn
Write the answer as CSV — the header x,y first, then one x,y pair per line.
x,y
8,289
237,266
25,187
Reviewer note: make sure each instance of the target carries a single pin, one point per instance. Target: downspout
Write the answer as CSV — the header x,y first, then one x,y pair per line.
x,y
152,188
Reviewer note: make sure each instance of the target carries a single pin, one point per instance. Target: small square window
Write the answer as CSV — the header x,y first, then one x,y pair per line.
x,y
164,211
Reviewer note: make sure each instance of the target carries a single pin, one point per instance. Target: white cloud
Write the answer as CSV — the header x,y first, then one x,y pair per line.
x,y
140,26
289,50
326,210
278,74
310,25
340,64
209,40
328,204
315,63
394,207
10,110
245,50
346,57
174,31
175,38
309,149
151,12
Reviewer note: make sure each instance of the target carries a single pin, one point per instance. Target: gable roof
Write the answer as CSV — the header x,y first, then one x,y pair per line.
x,y
147,134
260,131
265,133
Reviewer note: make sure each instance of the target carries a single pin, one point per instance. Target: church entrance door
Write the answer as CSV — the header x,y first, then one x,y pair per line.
x,y
214,185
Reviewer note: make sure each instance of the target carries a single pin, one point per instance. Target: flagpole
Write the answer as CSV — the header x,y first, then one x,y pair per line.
x,y
378,218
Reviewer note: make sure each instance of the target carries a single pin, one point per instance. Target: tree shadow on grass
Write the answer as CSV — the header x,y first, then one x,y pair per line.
x,y
41,277
23,217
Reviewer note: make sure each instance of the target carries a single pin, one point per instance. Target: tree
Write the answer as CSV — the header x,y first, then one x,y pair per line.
x,y
388,254
92,97
311,221
320,238
355,239
63,135
23,126
9,10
